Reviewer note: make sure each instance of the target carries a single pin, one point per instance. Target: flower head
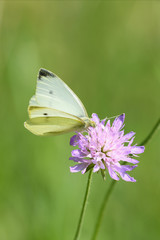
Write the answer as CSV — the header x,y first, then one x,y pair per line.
x,y
105,147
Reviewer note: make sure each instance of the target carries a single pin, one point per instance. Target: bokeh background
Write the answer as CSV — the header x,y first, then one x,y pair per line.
x,y
108,52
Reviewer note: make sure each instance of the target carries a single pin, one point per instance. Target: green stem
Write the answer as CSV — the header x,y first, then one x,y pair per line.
x,y
108,193
84,206
152,132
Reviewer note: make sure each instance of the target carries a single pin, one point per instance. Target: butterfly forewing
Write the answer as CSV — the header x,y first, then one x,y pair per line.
x,y
33,101
52,92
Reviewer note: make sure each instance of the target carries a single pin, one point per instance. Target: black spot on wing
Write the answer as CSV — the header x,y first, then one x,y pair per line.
x,y
45,73
45,114
50,92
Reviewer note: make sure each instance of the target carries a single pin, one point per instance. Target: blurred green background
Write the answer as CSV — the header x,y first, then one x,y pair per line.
x,y
108,52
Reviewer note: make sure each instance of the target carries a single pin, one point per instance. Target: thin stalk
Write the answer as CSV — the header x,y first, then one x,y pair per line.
x,y
152,132
108,193
83,206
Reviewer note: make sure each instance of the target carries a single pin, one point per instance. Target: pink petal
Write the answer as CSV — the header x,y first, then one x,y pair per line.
x,y
118,122
79,167
78,153
128,136
96,168
127,178
112,174
137,149
73,140
95,118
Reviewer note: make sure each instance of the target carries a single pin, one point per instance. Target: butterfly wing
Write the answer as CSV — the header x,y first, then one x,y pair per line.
x,y
52,92
50,126
55,108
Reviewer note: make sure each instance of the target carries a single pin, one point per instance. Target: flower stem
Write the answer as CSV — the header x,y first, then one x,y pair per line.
x,y
152,132
108,193
84,206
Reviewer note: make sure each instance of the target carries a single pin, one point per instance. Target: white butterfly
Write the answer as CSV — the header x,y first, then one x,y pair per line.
x,y
55,108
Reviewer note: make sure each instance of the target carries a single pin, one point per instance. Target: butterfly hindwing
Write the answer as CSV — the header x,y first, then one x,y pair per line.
x,y
50,126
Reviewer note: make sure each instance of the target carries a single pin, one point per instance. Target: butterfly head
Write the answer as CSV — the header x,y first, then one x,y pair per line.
x,y
89,122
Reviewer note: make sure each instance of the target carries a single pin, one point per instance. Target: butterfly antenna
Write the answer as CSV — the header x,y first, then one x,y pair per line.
x,y
107,118
114,116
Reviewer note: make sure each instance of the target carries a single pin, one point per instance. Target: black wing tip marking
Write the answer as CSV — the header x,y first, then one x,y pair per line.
x,y
45,73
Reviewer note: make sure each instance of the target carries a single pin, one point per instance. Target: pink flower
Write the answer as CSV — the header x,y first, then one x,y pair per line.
x,y
104,147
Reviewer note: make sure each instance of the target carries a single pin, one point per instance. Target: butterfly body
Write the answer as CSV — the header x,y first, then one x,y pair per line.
x,y
55,108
